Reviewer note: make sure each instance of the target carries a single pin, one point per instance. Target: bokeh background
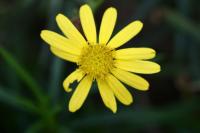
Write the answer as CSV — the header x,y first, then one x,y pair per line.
x,y
32,99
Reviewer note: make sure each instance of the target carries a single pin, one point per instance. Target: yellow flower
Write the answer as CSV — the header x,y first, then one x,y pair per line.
x,y
99,59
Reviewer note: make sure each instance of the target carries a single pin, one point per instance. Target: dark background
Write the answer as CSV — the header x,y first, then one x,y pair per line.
x,y
32,99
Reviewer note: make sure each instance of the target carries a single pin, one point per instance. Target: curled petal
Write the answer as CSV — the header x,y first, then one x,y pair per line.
x,y
76,75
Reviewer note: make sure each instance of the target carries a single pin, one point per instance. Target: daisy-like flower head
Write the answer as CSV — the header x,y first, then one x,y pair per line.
x,y
99,59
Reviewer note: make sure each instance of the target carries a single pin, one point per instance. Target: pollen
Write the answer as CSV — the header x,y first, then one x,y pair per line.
x,y
96,60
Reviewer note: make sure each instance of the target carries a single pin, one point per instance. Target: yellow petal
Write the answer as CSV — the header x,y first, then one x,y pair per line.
x,y
138,66
107,95
69,29
88,24
75,75
119,90
64,55
107,25
80,94
131,79
135,53
57,41
125,34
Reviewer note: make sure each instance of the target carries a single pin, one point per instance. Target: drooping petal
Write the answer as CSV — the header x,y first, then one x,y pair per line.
x,y
57,41
122,94
75,75
80,94
135,53
64,55
107,95
88,23
125,34
69,29
107,25
138,66
131,79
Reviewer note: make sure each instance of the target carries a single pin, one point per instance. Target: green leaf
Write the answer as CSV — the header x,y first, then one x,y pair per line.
x,y
55,79
56,66
143,9
94,4
16,101
23,74
35,128
183,24
142,117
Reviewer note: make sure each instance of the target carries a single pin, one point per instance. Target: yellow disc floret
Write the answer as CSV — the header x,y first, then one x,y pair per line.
x,y
96,60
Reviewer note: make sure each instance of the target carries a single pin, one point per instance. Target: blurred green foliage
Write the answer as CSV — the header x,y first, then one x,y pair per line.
x,y
32,99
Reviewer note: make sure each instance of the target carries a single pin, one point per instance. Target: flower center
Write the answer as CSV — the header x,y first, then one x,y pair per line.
x,y
96,60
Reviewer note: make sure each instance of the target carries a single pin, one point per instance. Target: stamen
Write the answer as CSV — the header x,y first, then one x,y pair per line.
x,y
96,60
